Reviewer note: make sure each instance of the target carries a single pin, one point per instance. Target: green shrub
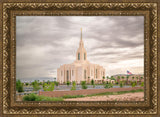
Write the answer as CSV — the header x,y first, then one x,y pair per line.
x,y
84,86
35,85
142,84
27,84
56,83
92,82
107,86
121,84
19,86
73,85
48,87
30,97
110,85
133,84
34,97
68,83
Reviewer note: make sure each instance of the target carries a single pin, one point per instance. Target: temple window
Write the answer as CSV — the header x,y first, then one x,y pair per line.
x,y
72,72
84,56
78,56
67,75
84,74
96,73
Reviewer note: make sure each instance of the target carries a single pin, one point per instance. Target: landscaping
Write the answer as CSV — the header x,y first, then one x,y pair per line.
x,y
34,97
52,90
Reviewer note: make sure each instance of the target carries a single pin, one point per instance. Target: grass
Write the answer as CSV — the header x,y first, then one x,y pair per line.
x,y
116,93
34,97
72,96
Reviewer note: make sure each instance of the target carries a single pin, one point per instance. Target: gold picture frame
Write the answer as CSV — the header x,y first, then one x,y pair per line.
x,y
11,9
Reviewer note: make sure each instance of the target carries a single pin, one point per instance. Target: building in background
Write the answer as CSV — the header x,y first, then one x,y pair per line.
x,y
129,78
81,69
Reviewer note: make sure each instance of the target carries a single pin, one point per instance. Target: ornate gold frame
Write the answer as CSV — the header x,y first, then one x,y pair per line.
x,y
11,9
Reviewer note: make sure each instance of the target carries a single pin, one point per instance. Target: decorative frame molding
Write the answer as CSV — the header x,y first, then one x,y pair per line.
x,y
8,44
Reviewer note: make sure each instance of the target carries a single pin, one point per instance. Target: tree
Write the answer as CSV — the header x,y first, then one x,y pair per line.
x,y
127,79
48,82
112,78
68,83
103,79
73,85
110,85
92,83
121,84
36,86
40,83
133,78
142,84
137,78
84,86
48,87
133,84
56,83
19,86
27,84
119,78
123,77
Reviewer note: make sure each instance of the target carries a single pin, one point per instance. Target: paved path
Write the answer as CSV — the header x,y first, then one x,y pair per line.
x,y
123,97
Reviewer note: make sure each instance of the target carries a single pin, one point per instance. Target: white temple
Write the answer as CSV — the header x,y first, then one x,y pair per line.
x,y
81,69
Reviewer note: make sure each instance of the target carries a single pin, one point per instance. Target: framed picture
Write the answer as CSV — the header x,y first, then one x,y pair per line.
x,y
79,58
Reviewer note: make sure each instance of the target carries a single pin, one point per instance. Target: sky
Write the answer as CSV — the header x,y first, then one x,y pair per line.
x,y
43,43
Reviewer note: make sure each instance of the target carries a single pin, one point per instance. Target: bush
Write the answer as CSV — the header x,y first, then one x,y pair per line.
x,y
142,84
68,83
121,84
73,85
34,97
56,83
84,86
19,86
133,84
30,97
110,85
107,86
36,86
48,87
27,84
92,83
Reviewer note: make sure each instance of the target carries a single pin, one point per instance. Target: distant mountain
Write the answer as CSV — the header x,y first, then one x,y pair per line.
x,y
41,79
125,75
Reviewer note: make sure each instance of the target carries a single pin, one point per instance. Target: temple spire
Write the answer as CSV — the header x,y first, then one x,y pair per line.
x,y
81,33
81,41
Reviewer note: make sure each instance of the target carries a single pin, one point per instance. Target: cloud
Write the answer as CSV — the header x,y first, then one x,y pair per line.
x,y
43,43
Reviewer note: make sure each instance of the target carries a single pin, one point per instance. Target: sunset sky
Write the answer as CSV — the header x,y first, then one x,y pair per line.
x,y
43,43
